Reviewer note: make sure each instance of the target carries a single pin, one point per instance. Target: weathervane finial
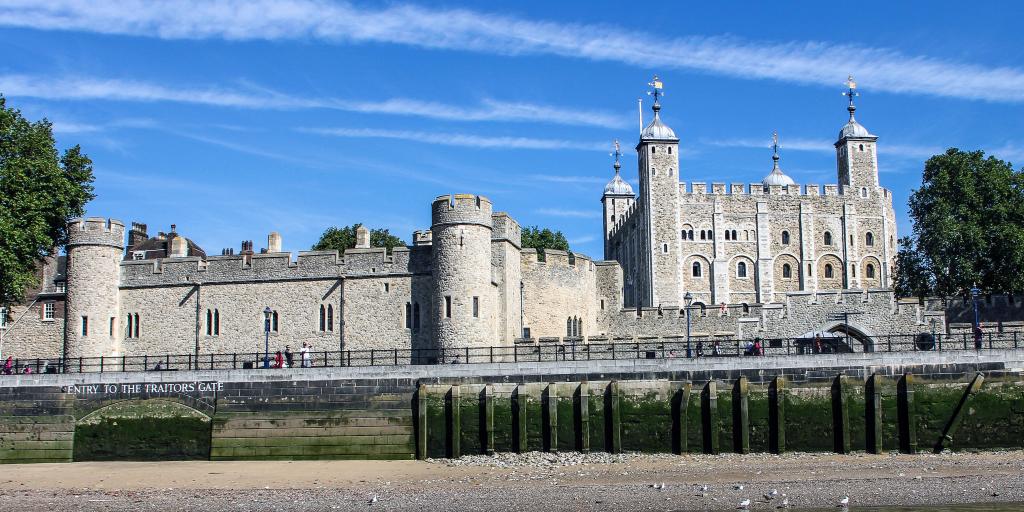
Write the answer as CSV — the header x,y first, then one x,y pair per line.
x,y
617,153
657,91
851,92
775,148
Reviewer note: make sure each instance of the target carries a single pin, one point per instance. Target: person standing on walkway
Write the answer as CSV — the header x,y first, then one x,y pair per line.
x,y
289,357
304,355
979,334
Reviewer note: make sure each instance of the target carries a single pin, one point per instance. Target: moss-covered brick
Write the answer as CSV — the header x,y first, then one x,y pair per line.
x,y
174,438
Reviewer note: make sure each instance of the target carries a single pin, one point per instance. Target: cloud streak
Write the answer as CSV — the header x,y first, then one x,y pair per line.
x,y
88,88
457,139
804,62
825,146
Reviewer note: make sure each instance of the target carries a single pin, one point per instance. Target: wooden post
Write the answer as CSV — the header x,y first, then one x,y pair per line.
x,y
709,417
873,414
519,411
583,426
613,415
679,411
958,413
421,422
777,415
551,415
489,419
840,416
740,416
906,416
454,423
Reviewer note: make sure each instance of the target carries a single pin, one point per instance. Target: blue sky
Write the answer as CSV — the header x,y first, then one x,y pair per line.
x,y
234,119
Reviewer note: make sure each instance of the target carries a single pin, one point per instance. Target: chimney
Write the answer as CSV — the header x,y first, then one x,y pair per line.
x,y
247,252
179,247
423,237
137,235
274,242
362,237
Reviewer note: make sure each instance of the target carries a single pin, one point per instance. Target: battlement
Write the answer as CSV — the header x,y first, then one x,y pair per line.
x,y
556,258
461,209
700,188
96,231
505,228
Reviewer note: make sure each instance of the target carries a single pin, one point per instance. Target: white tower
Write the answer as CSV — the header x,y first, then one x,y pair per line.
x,y
95,246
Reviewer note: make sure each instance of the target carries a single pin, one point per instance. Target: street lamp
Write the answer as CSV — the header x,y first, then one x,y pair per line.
x,y
688,299
977,325
266,331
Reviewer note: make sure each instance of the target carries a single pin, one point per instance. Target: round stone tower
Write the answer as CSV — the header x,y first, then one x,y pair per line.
x,y
95,246
464,299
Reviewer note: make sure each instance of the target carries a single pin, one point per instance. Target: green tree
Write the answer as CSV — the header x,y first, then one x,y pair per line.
x,y
40,191
540,239
339,239
968,227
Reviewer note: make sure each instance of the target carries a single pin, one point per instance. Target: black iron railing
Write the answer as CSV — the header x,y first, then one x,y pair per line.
x,y
665,347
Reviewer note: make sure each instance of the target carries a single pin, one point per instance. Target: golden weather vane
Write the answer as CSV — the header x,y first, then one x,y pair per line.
x,y
657,85
851,89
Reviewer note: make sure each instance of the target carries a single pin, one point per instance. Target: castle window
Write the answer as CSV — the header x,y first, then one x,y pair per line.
x,y
696,269
274,325
613,217
48,311
216,322
869,239
853,270
62,287
664,248
387,287
654,150
809,270
703,235
330,318
785,238
209,324
734,235
476,307
727,235
602,304
828,238
408,315
864,192
85,326
416,315
828,271
111,326
861,147
128,327
135,317
741,269
447,306
323,318
711,234
851,240
690,234
568,327
787,271
869,271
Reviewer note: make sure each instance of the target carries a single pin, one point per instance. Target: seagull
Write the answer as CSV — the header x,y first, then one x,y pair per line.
x,y
705,488
738,487
660,487
744,505
844,503
373,499
784,504
771,495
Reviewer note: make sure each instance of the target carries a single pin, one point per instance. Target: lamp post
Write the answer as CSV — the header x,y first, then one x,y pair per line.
x,y
976,332
266,332
688,299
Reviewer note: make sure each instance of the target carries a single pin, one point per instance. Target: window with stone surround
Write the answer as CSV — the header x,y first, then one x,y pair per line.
x,y
85,326
274,322
696,269
476,307
741,269
330,318
828,271
785,238
828,238
869,271
787,271
447,306
48,308
408,315
869,239
323,318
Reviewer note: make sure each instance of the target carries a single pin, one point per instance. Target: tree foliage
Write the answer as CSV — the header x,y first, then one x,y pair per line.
x,y
540,239
40,191
968,227
339,239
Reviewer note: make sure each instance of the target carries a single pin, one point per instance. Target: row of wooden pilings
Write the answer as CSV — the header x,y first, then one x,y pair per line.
x,y
906,420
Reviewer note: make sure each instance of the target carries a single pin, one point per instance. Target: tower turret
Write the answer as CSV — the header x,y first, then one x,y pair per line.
x,y
94,253
464,298
617,198
658,278
857,160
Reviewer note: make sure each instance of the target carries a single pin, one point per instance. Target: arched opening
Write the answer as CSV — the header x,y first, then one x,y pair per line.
x,y
151,429
851,339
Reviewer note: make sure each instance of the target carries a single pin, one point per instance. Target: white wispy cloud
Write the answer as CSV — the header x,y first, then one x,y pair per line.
x,y
808,62
578,214
457,139
255,97
914,151
558,178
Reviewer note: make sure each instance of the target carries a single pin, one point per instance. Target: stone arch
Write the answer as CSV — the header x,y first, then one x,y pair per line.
x,y
870,272
125,405
739,284
835,282
860,339
782,283
158,428
697,284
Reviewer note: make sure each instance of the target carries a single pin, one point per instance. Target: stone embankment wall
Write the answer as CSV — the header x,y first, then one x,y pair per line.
x,y
850,402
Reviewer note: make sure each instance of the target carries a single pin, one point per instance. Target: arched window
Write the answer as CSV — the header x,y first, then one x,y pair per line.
x,y
696,269
209,322
828,238
330,318
853,270
216,322
785,238
741,269
869,239
128,326
787,271
274,322
136,325
703,235
734,235
323,318
654,149
746,308
727,235
869,271
670,150
828,271
690,234
408,315
711,234
568,322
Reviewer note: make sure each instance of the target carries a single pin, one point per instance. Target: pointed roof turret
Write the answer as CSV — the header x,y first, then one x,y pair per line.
x,y
853,129
617,186
776,177
657,130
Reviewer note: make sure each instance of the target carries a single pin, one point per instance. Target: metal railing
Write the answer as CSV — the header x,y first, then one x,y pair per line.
x,y
665,347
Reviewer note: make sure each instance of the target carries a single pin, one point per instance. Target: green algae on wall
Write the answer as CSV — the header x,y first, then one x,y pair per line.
x,y
146,438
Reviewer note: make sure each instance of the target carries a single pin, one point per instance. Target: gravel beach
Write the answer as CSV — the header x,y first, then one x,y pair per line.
x,y
534,481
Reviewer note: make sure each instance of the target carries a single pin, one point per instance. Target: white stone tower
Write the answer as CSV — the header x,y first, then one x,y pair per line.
x,y
857,160
617,199
95,247
658,157
464,298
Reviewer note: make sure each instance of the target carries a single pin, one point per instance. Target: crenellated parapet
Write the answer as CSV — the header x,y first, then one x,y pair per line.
x,y
506,229
700,188
96,231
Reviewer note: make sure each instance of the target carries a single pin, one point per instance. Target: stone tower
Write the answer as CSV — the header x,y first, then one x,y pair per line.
x,y
617,199
857,160
94,250
658,157
464,298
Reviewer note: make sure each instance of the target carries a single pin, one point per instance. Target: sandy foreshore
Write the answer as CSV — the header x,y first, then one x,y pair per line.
x,y
533,482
